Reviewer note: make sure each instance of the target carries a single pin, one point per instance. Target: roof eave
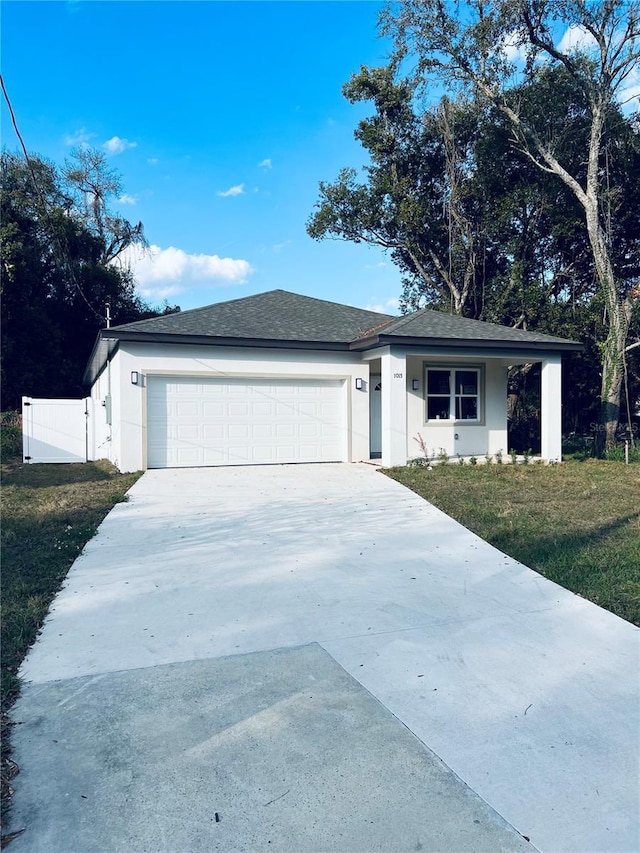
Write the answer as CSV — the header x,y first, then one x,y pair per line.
x,y
103,349
466,343
213,340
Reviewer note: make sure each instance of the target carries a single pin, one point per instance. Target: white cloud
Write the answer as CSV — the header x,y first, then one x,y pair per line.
x,y
152,161
79,137
278,247
388,306
512,50
265,164
128,199
629,95
577,38
237,190
160,273
116,145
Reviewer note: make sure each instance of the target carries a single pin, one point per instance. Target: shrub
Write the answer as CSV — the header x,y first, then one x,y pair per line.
x,y
616,454
418,462
10,436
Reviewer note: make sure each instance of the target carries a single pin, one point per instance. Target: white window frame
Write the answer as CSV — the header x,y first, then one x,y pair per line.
x,y
453,393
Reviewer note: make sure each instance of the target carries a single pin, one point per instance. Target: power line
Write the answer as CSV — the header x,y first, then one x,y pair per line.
x,y
63,257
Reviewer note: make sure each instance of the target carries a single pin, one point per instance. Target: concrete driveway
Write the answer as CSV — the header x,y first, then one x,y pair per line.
x,y
232,659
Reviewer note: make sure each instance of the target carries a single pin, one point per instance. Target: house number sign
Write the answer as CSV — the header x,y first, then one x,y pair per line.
x,y
397,375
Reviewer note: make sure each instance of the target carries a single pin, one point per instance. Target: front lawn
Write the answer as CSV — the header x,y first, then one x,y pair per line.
x,y
578,523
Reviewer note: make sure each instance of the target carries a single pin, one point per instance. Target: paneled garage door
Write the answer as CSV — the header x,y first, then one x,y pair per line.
x,y
196,422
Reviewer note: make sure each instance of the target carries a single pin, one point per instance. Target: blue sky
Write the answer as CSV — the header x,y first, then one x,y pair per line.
x,y
221,117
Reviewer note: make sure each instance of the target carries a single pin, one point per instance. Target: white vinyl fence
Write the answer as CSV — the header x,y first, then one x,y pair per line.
x,y
55,430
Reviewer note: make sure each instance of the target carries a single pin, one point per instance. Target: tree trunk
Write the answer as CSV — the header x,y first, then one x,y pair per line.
x,y
613,372
619,317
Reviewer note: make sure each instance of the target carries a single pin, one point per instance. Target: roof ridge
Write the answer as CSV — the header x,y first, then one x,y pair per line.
x,y
201,308
277,290
377,328
399,322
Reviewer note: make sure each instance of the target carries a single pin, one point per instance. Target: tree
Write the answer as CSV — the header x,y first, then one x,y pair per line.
x,y
55,282
92,184
465,45
419,200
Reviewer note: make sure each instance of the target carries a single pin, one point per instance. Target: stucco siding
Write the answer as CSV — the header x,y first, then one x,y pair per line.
x,y
129,431
489,435
99,431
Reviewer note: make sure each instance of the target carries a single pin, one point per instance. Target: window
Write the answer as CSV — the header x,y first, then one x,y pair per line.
x,y
453,394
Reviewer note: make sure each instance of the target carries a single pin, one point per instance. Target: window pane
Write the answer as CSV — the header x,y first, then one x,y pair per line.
x,y
466,382
466,409
438,382
438,407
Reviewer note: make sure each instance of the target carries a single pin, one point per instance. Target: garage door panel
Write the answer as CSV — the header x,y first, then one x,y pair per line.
x,y
263,431
187,432
237,410
211,409
239,431
263,409
284,430
193,421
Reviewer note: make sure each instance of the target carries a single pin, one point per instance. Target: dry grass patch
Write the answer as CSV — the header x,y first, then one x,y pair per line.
x,y
577,523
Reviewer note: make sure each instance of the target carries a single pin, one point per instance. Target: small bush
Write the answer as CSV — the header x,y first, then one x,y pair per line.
x,y
418,462
473,460
10,436
616,454
443,456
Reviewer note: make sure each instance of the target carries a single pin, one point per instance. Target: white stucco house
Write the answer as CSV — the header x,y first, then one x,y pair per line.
x,y
279,377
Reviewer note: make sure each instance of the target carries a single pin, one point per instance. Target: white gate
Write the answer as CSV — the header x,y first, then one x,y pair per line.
x,y
54,430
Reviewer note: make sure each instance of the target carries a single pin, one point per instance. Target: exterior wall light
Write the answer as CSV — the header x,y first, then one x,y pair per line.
x,y
359,384
415,384
134,377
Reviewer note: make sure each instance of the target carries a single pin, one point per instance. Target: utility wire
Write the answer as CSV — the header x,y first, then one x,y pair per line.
x,y
63,257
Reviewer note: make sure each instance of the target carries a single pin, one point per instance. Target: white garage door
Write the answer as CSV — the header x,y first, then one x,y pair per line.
x,y
195,421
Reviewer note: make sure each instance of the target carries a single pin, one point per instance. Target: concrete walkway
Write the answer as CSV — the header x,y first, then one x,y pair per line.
x,y
219,647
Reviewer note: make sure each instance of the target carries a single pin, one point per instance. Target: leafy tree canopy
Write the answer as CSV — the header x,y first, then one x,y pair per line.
x,y
57,240
514,199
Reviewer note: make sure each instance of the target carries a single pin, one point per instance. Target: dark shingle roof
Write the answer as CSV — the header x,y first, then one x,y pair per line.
x,y
428,324
279,318
276,316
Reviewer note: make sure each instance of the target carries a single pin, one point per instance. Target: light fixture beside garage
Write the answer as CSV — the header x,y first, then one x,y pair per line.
x,y
134,377
415,384
359,384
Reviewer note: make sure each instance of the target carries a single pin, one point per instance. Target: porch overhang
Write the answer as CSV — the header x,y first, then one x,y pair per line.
x,y
393,369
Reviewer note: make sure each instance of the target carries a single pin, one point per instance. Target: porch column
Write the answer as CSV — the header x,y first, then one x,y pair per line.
x,y
394,408
551,409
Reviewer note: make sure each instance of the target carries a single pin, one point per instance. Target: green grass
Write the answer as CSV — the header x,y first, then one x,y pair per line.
x,y
49,512
577,523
